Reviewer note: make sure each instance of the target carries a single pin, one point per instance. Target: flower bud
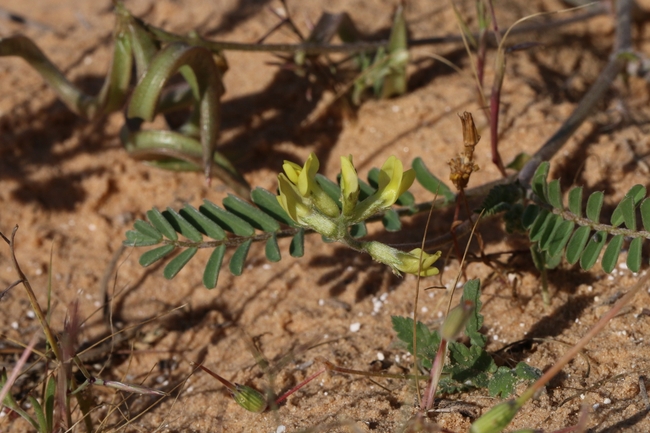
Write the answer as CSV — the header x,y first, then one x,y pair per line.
x,y
456,320
249,398
496,419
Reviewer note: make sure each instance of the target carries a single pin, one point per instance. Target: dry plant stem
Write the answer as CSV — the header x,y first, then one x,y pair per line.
x,y
594,94
16,370
436,371
32,296
580,345
415,304
359,47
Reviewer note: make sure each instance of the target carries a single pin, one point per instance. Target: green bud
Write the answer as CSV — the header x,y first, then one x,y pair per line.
x,y
496,419
249,398
456,320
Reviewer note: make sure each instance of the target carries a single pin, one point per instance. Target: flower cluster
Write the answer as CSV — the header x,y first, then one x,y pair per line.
x,y
310,206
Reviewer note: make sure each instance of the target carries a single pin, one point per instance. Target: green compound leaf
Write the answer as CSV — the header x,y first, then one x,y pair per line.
x,y
634,255
502,383
135,238
160,222
625,212
202,223
594,204
527,372
297,247
239,257
178,262
427,341
147,230
226,220
549,230
268,202
212,268
575,201
554,193
538,228
430,182
182,226
645,214
391,221
577,244
591,252
250,214
272,250
152,256
538,183
530,215
611,254
560,238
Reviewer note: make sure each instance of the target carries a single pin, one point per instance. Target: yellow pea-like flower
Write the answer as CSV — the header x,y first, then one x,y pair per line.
x,y
349,185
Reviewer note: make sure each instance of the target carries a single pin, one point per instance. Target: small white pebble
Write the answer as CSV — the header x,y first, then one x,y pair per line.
x,y
395,108
590,288
281,429
266,266
397,359
383,297
439,314
622,265
596,298
495,337
38,271
325,393
425,309
582,396
405,149
610,278
607,401
355,327
189,389
596,406
521,325
380,356
92,227
360,314
14,325
321,302
30,314
577,320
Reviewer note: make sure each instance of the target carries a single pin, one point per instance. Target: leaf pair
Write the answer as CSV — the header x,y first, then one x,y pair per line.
x,y
237,217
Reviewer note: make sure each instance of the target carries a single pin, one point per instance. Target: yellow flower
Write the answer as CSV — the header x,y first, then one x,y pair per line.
x,y
393,181
291,201
305,201
349,185
401,261
410,262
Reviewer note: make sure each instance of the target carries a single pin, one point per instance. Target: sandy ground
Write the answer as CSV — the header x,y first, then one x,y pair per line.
x,y
74,191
